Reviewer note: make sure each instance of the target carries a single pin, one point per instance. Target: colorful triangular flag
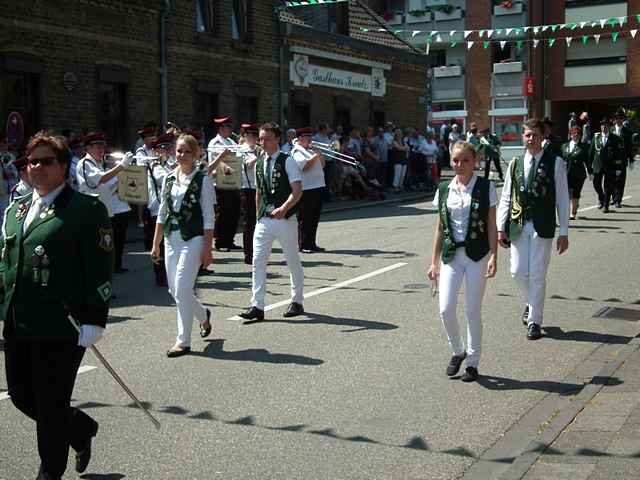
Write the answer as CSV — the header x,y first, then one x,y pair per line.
x,y
585,39
603,22
526,29
597,38
509,30
545,28
633,32
552,41
535,43
568,40
467,33
469,45
582,24
453,44
519,44
489,33
481,33
503,43
614,37
621,20
452,33
485,45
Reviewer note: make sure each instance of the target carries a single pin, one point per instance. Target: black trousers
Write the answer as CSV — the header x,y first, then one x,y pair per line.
x,y
487,166
610,180
597,185
119,223
227,217
40,378
309,216
620,182
249,207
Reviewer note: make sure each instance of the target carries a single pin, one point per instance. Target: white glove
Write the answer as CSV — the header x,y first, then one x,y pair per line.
x,y
126,160
89,334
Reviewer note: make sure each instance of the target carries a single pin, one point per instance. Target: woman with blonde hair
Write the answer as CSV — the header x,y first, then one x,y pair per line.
x,y
464,248
185,219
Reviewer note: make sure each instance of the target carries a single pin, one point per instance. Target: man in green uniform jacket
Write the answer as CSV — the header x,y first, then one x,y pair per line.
x,y
57,260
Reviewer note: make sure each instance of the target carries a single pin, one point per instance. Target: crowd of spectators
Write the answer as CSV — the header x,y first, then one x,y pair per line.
x,y
388,159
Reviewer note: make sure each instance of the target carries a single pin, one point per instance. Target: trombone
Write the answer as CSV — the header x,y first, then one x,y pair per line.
x,y
326,150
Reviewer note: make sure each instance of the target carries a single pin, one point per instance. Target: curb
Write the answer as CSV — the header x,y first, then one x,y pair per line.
x,y
390,201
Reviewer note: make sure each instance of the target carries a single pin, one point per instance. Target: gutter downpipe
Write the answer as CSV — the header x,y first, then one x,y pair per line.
x,y
164,89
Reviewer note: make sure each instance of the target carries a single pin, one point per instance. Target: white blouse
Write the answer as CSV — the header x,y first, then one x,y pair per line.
x,y
459,205
178,189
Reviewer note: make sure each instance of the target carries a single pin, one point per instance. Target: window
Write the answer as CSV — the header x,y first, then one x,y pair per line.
x,y
338,19
206,16
437,58
509,130
378,119
205,108
112,113
247,109
240,20
301,115
509,53
20,92
343,117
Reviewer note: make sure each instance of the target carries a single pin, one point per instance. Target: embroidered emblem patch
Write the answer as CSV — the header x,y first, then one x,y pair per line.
x,y
105,239
105,291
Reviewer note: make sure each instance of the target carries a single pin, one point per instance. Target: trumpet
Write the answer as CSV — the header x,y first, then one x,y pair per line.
x,y
143,158
230,148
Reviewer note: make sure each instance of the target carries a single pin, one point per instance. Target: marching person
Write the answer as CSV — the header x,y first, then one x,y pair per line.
x,y
606,161
491,145
626,136
464,248
552,141
92,178
576,156
278,191
57,257
311,164
228,208
144,150
77,152
185,220
534,191
119,221
164,148
23,187
249,159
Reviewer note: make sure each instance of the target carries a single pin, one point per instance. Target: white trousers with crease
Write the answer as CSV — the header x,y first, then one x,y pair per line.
x,y
452,274
182,260
286,232
530,257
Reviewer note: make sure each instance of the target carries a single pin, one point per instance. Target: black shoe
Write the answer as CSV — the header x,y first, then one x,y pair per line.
x,y
316,248
525,316
606,210
454,364
600,206
233,246
83,456
203,272
120,270
175,352
252,313
619,205
470,374
533,332
205,327
293,310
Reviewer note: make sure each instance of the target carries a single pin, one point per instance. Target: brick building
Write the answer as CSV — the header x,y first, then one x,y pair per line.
x,y
486,85
114,65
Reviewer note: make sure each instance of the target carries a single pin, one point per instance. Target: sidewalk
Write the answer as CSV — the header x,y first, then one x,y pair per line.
x,y
603,440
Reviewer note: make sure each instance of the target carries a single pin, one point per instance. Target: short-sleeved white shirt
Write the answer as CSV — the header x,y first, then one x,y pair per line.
x,y
293,172
313,177
459,205
89,173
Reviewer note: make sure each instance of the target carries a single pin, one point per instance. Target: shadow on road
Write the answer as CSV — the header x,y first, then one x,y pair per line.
x,y
316,319
491,382
103,476
556,333
215,350
374,252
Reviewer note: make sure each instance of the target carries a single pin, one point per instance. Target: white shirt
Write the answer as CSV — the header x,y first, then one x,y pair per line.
x,y
117,205
290,166
572,145
248,172
562,191
89,174
217,141
155,181
178,189
428,149
44,202
314,176
286,148
459,205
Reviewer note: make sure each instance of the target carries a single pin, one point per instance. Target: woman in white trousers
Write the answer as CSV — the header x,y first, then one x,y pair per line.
x,y
464,248
185,219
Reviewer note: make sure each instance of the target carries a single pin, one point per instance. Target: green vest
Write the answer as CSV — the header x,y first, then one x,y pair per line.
x,y
537,202
276,192
189,219
476,243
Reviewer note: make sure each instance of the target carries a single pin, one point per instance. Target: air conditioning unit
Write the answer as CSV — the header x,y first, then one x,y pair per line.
x,y
437,3
413,5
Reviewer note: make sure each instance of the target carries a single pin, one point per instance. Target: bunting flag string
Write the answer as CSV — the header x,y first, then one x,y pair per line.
x,y
612,22
308,3
551,41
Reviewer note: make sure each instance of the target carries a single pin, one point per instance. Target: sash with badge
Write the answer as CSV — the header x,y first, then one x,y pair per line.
x,y
132,185
229,171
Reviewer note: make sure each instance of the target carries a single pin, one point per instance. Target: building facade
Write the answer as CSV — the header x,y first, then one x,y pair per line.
x,y
115,65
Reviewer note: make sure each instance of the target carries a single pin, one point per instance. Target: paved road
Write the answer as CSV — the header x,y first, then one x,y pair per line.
x,y
356,389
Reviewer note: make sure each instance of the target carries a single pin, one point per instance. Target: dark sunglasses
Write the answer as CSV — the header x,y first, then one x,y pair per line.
x,y
46,161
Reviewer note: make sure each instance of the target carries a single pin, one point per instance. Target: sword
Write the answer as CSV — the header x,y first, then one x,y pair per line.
x,y
117,378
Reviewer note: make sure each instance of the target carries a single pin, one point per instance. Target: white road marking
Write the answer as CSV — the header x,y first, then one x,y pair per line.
x,y
320,291
82,369
596,206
